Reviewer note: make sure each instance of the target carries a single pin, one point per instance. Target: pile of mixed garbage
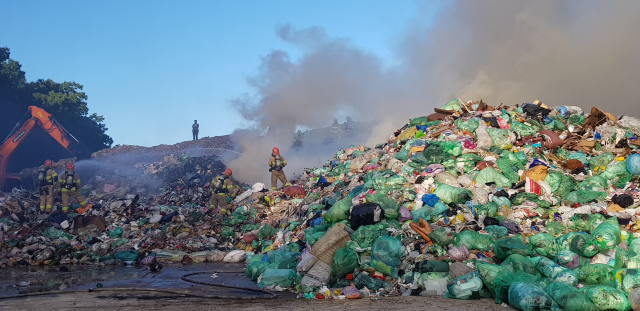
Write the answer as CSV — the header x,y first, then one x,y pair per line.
x,y
529,205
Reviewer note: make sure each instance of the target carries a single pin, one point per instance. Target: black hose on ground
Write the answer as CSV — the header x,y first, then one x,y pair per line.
x,y
270,295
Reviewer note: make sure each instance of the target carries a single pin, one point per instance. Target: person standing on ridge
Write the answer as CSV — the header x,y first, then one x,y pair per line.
x,y
70,187
47,179
195,128
277,163
220,188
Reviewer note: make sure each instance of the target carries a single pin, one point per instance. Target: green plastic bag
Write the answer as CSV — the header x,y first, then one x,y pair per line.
x,y
598,164
595,274
584,245
344,262
453,148
519,263
504,281
497,232
449,194
607,235
52,232
544,244
553,271
388,205
366,235
384,268
432,266
490,175
555,228
586,222
427,212
465,286
490,209
527,196
418,121
278,277
403,155
507,167
594,183
117,233
582,196
468,161
284,259
435,155
489,273
512,245
530,297
567,184
576,119
442,238
522,129
474,240
388,250
362,280
615,170
501,138
453,104
338,212
569,298
607,298
126,256
266,231
256,268
470,125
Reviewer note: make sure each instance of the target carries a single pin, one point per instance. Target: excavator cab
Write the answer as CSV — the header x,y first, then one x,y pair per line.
x,y
39,138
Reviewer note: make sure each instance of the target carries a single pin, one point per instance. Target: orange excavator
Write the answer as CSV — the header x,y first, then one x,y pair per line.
x,y
40,137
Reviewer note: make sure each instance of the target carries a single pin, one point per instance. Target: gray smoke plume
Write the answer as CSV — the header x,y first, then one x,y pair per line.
x,y
582,53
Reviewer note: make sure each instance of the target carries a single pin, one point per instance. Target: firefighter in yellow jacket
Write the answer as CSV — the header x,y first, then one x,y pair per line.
x,y
47,179
221,187
70,187
277,163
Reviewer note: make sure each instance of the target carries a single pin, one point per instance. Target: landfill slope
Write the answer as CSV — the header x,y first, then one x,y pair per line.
x,y
527,205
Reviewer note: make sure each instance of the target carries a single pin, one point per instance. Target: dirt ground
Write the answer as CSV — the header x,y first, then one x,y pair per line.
x,y
95,301
70,290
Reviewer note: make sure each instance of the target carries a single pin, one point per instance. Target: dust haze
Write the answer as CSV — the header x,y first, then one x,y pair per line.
x,y
583,53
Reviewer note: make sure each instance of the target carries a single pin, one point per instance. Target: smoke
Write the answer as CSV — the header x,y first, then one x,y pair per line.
x,y
582,53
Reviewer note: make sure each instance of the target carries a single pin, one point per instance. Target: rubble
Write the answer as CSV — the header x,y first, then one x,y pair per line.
x,y
529,205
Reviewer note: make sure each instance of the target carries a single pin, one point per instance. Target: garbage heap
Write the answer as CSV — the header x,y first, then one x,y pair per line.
x,y
533,206
161,210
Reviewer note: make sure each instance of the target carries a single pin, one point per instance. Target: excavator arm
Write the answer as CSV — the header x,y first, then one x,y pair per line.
x,y
38,118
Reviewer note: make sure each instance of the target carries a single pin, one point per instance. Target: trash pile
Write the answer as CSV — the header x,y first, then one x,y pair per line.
x,y
529,205
532,206
158,208
130,154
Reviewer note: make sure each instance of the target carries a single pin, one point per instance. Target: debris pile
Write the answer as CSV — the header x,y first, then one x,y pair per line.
x,y
529,205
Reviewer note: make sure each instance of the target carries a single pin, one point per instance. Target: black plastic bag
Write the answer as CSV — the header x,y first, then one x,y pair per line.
x,y
365,214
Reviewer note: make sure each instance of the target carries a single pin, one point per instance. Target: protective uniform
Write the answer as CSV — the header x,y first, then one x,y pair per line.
x,y
70,186
221,187
47,179
277,162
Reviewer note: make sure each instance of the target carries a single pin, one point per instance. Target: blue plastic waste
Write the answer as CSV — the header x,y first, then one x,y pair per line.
x,y
633,164
430,199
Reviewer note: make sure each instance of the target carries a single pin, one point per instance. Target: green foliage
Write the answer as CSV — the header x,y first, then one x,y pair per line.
x,y
64,101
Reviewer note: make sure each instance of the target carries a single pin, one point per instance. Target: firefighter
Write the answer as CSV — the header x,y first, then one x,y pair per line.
x,y
70,187
277,162
47,179
221,187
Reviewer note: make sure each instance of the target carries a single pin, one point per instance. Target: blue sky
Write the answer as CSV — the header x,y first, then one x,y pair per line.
x,y
152,67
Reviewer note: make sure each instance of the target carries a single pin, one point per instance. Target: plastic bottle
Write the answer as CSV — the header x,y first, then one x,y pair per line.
x,y
324,290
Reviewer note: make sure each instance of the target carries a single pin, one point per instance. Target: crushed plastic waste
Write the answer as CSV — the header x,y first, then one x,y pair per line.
x,y
529,205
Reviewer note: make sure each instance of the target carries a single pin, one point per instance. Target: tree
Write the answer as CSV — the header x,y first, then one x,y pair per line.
x,y
64,101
